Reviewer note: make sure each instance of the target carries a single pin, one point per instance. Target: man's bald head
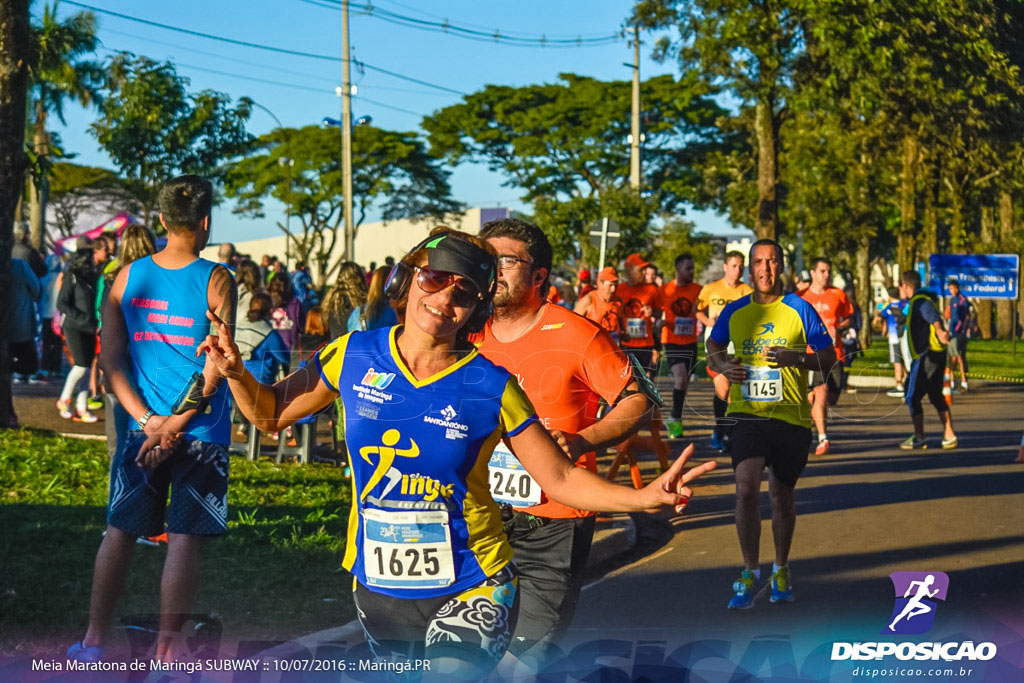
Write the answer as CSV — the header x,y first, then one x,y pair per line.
x,y
226,253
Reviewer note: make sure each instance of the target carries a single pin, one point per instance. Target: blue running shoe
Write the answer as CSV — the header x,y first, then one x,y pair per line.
x,y
80,653
744,589
716,442
782,587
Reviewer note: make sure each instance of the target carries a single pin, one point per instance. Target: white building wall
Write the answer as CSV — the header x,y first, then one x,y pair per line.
x,y
374,241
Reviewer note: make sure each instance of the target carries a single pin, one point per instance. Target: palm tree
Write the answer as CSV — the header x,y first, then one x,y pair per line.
x,y
59,70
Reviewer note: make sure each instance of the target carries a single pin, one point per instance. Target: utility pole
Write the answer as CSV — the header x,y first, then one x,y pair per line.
x,y
346,135
634,145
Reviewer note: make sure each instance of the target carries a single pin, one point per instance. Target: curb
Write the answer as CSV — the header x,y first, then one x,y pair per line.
x,y
612,539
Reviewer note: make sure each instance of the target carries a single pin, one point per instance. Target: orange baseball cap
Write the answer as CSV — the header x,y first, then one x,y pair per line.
x,y
636,261
608,274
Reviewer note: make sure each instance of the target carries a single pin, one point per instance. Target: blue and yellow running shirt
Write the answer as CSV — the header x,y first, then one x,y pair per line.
x,y
790,322
423,524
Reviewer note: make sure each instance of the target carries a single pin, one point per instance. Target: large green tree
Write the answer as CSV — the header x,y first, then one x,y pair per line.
x,y
748,50
301,168
154,129
14,59
565,146
60,71
940,81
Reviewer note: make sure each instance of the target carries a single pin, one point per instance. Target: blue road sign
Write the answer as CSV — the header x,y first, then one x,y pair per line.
x,y
981,276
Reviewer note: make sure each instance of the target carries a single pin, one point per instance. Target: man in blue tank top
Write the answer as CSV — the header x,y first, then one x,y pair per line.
x,y
154,320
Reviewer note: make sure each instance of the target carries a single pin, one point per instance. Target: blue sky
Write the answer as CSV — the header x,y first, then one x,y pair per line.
x,y
300,90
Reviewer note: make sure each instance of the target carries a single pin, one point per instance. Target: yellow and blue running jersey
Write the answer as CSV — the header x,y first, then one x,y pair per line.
x,y
789,322
423,523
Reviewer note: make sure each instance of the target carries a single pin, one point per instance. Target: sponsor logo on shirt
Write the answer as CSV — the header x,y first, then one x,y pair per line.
x,y
379,380
369,388
454,430
763,340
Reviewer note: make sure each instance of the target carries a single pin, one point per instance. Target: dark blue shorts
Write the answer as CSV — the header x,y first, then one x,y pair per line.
x,y
197,476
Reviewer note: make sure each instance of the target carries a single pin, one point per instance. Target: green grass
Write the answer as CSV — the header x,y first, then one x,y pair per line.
x,y
274,576
986,359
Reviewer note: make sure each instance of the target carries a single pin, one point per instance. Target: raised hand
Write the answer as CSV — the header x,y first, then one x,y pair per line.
x,y
671,487
221,349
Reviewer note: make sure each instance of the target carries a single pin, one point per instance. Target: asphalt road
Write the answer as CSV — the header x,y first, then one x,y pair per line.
x,y
864,511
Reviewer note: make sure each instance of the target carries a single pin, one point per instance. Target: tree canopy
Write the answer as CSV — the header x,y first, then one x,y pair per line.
x,y
301,168
154,129
565,145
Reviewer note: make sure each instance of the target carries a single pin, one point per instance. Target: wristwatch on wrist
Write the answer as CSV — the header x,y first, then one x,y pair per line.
x,y
145,418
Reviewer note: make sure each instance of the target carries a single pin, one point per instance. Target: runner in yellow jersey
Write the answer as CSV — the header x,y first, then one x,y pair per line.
x,y
768,374
712,299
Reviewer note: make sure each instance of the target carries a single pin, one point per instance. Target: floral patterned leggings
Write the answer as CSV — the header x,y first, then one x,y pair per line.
x,y
474,626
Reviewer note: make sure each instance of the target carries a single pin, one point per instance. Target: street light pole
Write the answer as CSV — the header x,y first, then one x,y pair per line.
x,y
634,145
346,135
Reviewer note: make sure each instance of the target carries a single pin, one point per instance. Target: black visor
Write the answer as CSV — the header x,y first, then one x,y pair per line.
x,y
454,255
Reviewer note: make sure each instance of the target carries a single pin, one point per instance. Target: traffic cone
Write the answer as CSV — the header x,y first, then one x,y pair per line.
x,y
1020,456
947,387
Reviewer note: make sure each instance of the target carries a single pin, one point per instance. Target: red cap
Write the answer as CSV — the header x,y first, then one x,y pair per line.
x,y
636,261
608,274
584,275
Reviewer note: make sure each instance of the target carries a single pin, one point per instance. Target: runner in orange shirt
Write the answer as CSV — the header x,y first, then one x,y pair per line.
x,y
679,335
835,310
565,364
713,298
641,306
602,305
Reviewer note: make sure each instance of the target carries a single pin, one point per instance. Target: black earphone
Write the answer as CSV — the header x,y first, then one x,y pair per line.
x,y
400,278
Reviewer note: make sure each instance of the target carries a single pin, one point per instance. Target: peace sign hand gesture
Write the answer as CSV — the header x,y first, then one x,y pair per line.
x,y
222,350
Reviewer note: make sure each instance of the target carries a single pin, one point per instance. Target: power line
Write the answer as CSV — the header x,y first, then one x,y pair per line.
x,y
224,57
303,74
357,98
489,36
257,46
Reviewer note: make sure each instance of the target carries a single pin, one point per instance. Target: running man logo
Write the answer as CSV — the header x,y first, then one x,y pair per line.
x,y
387,453
378,380
766,328
916,592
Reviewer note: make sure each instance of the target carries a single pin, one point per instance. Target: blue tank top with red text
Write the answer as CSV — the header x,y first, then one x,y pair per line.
x,y
165,317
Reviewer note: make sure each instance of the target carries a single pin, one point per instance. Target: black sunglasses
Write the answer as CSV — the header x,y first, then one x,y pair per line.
x,y
464,292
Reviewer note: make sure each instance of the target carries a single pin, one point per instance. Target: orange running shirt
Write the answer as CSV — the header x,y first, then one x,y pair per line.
x,y
638,329
607,314
680,306
565,364
833,306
